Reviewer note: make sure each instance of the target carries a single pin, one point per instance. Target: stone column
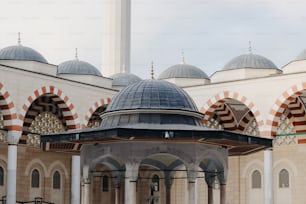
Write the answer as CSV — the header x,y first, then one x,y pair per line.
x,y
168,184
118,182
13,139
268,176
210,196
86,185
192,191
222,193
222,179
131,173
75,179
117,195
210,178
192,174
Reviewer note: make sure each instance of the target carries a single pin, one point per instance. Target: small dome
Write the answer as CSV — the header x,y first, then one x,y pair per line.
x,y
19,52
302,55
183,71
124,79
152,102
250,61
77,67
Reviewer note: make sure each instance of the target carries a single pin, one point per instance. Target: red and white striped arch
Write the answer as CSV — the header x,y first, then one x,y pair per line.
x,y
212,104
93,108
287,100
8,110
65,105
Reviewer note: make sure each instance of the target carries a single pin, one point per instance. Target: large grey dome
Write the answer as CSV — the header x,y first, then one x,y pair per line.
x,y
152,94
250,61
302,55
151,101
124,79
77,67
19,52
183,71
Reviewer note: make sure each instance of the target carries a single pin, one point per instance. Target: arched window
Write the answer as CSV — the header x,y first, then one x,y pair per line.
x,y
256,179
35,179
1,176
155,183
284,179
105,183
56,180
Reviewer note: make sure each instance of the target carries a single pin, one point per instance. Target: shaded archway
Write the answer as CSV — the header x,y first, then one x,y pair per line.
x,y
48,110
287,115
92,118
229,111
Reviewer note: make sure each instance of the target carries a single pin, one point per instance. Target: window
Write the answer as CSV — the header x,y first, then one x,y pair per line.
x,y
56,180
256,179
105,184
155,183
35,179
1,176
283,179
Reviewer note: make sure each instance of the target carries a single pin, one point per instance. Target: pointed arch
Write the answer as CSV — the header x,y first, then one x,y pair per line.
x,y
287,100
8,110
103,102
63,102
216,103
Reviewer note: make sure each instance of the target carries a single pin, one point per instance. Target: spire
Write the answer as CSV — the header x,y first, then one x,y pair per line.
x,y
250,47
152,70
76,54
182,57
19,39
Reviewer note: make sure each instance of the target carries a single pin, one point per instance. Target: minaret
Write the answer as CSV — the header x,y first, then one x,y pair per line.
x,y
116,38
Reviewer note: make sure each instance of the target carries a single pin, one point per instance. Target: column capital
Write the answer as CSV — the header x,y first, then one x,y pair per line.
x,y
168,179
86,176
131,171
13,137
210,179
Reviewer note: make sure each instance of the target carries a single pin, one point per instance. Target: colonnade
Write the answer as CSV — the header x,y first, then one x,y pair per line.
x,y
130,180
130,192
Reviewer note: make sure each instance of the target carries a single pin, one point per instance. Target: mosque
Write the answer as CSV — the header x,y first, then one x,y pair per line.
x,y
71,134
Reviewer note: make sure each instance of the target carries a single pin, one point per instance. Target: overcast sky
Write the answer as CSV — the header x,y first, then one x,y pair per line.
x,y
210,32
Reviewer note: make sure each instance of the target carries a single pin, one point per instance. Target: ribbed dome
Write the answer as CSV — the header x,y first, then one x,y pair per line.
x,y
183,71
124,79
250,61
153,102
152,94
19,52
302,55
77,67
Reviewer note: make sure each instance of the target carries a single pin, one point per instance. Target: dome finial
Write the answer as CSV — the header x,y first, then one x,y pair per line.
x,y
76,54
182,57
19,39
250,47
152,70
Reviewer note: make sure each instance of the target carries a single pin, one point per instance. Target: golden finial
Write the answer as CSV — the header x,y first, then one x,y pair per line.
x,y
182,57
152,70
19,39
76,54
250,47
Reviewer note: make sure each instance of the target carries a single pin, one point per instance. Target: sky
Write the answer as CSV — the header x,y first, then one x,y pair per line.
x,y
209,32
